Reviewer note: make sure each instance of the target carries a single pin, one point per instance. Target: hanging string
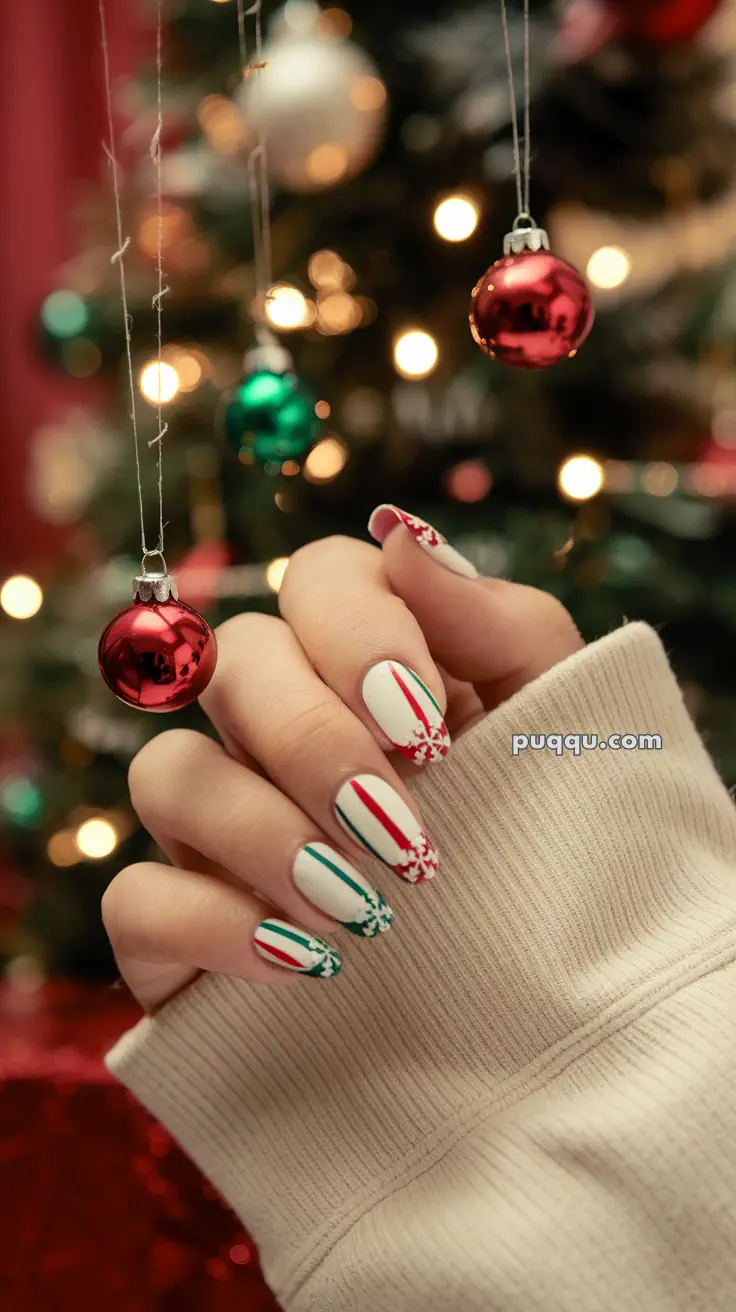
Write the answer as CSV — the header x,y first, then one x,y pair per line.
x,y
260,191
522,175
527,110
119,258
156,155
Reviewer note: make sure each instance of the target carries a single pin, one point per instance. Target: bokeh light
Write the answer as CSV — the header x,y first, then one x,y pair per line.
x,y
64,314
22,800
287,308
368,93
660,479
580,478
323,409
80,357
328,272
608,267
456,218
327,163
326,460
334,24
275,572
222,123
415,354
338,313
96,838
62,849
158,382
21,597
469,481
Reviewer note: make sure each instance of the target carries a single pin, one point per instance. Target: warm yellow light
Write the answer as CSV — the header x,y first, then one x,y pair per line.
x,y
323,409
20,597
328,272
368,93
415,354
334,24
222,122
275,572
62,849
325,461
96,838
338,313
158,382
327,163
287,308
456,218
191,364
580,478
608,267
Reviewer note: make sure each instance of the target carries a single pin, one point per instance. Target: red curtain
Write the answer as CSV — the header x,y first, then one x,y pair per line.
x,y
51,128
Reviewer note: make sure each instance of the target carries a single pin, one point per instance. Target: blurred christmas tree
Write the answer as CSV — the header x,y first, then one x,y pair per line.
x,y
608,480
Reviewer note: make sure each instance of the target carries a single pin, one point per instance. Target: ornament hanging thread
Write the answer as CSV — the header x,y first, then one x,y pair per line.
x,y
158,654
530,309
270,416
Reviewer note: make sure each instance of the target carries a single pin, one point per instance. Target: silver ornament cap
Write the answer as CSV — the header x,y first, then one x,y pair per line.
x,y
154,584
525,236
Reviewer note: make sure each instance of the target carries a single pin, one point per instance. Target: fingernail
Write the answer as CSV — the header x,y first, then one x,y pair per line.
x,y
386,517
332,884
372,812
404,708
295,949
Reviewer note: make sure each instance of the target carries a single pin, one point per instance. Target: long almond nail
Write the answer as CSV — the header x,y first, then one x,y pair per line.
x,y
404,708
332,883
295,949
386,517
372,812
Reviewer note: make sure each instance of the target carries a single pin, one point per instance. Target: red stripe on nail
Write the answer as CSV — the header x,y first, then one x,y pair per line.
x,y
282,956
377,810
411,699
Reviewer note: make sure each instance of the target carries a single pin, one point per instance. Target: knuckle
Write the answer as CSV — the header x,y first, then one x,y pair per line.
x,y
120,895
313,732
556,618
308,562
244,628
238,639
174,748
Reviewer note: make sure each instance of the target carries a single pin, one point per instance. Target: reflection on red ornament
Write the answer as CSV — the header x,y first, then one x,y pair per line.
x,y
531,310
157,656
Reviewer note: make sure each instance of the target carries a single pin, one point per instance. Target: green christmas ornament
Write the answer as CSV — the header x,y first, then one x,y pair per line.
x,y
272,414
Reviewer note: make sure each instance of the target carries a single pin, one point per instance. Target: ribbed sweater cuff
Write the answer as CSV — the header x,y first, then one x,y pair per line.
x,y
571,888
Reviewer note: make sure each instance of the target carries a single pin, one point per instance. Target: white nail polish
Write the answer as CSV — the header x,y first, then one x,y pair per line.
x,y
329,881
386,517
404,708
294,949
374,814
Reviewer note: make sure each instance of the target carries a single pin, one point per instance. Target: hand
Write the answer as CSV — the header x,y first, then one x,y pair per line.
x,y
381,656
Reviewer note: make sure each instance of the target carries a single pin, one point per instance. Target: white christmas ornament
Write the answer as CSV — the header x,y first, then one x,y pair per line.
x,y
319,100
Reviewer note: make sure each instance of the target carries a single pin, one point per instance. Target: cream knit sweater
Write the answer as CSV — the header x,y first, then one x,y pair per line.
x,y
524,1098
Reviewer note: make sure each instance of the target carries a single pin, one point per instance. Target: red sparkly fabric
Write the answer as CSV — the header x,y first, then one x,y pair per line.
x,y
100,1209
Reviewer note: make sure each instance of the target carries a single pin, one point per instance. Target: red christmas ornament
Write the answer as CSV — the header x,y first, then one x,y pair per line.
x,y
661,23
530,309
158,654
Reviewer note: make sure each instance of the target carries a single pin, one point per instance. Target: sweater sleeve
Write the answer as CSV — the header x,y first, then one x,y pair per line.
x,y
523,1098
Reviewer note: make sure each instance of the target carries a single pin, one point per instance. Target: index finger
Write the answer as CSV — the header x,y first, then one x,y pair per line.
x,y
366,645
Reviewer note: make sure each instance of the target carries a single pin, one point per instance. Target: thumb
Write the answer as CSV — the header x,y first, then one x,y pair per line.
x,y
488,632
